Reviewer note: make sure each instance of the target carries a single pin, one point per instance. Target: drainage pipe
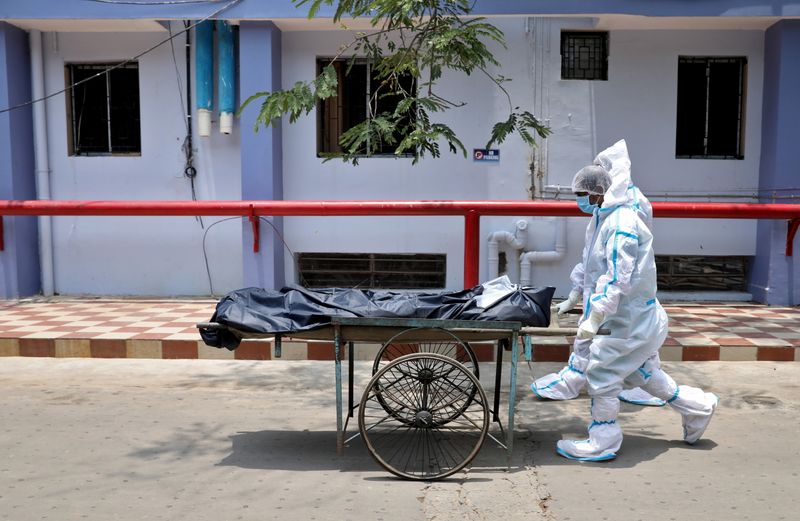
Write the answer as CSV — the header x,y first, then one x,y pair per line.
x,y
204,66
509,242
528,258
42,163
227,85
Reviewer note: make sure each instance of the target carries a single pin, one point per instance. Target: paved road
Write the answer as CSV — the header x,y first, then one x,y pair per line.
x,y
227,440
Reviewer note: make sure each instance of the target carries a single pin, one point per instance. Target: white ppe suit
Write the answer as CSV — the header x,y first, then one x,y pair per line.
x,y
568,383
618,275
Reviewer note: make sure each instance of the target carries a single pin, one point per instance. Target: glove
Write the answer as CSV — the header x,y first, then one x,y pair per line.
x,y
589,327
570,303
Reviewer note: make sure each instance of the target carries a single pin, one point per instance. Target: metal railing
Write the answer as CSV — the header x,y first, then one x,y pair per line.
x,y
472,211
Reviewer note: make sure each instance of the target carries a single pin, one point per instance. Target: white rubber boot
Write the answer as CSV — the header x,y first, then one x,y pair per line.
x,y
605,435
565,384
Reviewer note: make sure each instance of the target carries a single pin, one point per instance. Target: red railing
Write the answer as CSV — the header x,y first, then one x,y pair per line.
x,y
470,210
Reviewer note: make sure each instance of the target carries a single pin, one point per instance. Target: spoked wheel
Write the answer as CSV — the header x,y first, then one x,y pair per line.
x,y
403,344
437,420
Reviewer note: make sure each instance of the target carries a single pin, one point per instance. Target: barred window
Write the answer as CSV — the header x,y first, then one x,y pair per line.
x,y
103,112
372,270
357,82
711,92
584,55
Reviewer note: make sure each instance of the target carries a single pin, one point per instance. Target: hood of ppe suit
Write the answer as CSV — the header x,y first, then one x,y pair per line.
x,y
622,192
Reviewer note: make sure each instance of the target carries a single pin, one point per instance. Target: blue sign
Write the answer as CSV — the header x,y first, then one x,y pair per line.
x,y
482,154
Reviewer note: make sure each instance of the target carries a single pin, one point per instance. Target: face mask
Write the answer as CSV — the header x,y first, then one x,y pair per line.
x,y
585,205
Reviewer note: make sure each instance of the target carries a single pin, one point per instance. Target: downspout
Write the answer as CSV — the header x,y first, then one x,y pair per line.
x,y
204,65
227,82
510,243
42,163
530,257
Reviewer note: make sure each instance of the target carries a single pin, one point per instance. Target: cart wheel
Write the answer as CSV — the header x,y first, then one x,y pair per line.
x,y
438,420
453,348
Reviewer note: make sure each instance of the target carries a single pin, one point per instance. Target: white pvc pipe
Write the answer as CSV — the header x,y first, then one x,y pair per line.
x,y
226,122
509,242
203,122
42,165
528,258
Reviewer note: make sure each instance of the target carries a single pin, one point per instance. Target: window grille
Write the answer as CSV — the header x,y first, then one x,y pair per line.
x,y
698,273
103,112
584,55
372,270
711,101
351,106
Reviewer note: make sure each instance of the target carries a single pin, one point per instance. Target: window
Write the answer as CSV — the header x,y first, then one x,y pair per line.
x,y
349,107
372,270
103,112
710,107
584,55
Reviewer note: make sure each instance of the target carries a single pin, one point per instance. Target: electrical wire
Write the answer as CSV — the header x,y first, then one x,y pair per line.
x,y
189,169
178,76
264,219
205,253
123,63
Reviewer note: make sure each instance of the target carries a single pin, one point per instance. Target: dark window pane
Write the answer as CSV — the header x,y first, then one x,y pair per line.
x,y
723,108
124,103
90,111
104,110
340,113
691,109
710,107
354,85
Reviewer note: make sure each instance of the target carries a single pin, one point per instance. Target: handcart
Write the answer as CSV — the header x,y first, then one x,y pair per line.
x,y
424,414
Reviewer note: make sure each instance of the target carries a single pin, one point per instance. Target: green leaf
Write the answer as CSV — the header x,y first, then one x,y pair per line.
x,y
420,39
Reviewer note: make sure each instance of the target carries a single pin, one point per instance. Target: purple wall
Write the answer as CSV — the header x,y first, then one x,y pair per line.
x,y
19,262
772,275
261,152
77,9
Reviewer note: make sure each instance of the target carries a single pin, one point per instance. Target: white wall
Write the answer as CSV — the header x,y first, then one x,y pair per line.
x,y
163,255
449,177
140,255
637,103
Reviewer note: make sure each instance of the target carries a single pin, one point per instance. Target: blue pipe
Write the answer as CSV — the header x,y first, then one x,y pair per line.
x,y
227,79
204,67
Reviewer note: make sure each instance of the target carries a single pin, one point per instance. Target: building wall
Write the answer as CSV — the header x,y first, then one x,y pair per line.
x,y
637,103
19,262
164,256
140,255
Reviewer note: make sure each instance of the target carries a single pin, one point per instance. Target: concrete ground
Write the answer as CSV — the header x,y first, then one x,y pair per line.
x,y
223,440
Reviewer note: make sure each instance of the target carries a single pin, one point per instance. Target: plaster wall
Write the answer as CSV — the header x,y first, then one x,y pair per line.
x,y
19,261
140,255
637,103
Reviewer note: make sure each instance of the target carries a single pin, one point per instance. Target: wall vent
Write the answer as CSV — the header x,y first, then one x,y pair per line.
x,y
701,273
372,270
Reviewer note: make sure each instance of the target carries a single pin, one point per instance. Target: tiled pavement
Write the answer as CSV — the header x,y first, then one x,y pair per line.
x,y
165,328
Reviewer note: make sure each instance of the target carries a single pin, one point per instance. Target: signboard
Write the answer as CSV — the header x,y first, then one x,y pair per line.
x,y
483,154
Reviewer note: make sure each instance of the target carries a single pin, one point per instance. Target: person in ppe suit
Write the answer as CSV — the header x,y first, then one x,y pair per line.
x,y
619,294
571,380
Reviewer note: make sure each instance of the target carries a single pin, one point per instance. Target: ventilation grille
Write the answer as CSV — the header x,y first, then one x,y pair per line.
x,y
697,273
372,270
